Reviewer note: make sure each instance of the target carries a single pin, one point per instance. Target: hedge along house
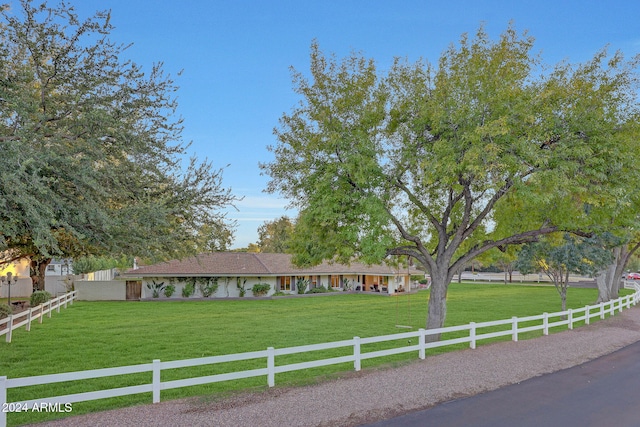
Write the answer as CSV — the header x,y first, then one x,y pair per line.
x,y
235,273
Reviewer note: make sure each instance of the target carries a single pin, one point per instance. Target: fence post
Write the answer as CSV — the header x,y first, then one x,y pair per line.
x,y
58,304
271,366
545,323
587,314
472,335
421,344
514,329
357,365
49,312
570,319
3,400
612,308
601,310
10,326
41,308
155,381
28,328
66,300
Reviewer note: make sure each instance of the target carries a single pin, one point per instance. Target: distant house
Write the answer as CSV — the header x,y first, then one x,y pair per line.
x,y
235,271
59,267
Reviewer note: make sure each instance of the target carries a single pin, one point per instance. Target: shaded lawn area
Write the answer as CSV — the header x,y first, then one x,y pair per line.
x,y
91,335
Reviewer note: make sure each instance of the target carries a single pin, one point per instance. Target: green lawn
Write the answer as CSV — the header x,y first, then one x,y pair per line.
x,y
90,335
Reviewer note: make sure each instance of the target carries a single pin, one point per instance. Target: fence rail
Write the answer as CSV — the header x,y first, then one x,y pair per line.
x,y
29,316
512,327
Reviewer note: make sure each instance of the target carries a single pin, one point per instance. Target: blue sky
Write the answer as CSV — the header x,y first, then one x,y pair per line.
x,y
235,56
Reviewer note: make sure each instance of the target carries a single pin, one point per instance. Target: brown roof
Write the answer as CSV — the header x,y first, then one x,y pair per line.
x,y
252,264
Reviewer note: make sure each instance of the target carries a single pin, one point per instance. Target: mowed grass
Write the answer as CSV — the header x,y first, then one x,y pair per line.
x,y
92,335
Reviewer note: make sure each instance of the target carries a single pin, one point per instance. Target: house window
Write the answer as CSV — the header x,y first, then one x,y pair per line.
x,y
335,281
285,283
51,267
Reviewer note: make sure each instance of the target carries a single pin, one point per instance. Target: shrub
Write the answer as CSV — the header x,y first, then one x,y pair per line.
x,y
155,288
241,287
208,286
260,289
69,285
169,290
318,290
279,294
188,290
301,285
39,297
5,311
208,289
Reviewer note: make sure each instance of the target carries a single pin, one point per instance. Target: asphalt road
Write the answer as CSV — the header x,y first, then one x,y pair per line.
x,y
602,392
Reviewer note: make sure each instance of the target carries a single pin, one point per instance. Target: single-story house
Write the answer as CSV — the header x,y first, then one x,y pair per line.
x,y
235,273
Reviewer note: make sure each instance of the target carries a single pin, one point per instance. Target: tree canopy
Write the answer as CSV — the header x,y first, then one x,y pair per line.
x,y
92,156
561,254
441,163
274,236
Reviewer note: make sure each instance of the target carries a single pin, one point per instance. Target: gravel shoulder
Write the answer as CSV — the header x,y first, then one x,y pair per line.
x,y
376,394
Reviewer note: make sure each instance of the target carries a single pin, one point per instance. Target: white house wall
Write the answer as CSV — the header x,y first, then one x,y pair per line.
x,y
221,292
232,291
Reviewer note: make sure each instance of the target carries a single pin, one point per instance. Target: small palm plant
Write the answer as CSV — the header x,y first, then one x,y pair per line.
x,y
155,288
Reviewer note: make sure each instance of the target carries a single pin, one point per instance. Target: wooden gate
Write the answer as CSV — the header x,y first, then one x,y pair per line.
x,y
134,289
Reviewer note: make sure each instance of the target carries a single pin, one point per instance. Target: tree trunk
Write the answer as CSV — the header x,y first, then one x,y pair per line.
x,y
437,310
37,271
608,279
602,284
563,293
622,256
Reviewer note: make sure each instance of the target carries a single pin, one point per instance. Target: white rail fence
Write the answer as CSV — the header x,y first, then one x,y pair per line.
x,y
510,327
29,316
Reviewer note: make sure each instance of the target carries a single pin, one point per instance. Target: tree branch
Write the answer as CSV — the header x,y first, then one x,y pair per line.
x,y
516,239
15,258
434,221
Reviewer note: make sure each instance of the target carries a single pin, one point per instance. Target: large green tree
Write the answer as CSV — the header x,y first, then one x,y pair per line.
x,y
274,236
91,152
561,254
442,163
